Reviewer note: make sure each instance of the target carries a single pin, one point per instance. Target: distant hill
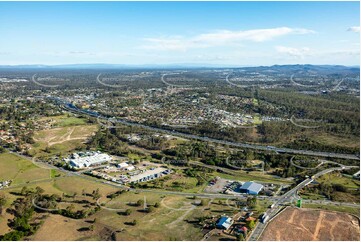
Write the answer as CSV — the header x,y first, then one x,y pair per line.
x,y
326,69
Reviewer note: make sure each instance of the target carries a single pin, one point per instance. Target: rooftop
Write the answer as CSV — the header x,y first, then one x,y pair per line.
x,y
252,186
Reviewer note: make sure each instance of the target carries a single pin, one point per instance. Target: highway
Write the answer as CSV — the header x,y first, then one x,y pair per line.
x,y
74,109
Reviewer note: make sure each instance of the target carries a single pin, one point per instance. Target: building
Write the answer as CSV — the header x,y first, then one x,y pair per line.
x,y
224,223
90,159
242,229
149,175
130,168
251,188
122,165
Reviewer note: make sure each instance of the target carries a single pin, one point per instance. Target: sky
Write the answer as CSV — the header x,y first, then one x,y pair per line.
x,y
163,33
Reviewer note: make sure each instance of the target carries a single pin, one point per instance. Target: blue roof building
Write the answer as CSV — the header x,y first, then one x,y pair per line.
x,y
251,188
224,223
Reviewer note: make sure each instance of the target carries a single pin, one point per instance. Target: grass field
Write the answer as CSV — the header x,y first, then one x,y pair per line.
x,y
60,140
20,170
64,120
252,176
337,178
344,209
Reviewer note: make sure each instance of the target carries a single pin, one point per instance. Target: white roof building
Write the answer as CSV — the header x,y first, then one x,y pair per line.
x,y
90,160
123,165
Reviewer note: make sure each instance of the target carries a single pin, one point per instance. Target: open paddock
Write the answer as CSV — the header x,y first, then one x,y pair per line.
x,y
310,224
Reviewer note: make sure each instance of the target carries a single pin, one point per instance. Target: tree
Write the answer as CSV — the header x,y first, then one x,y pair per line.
x,y
150,209
91,227
156,205
140,202
250,224
39,190
128,212
2,203
70,208
251,202
240,237
96,194
24,190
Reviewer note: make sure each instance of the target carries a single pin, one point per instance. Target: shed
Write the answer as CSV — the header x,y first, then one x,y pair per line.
x,y
224,223
251,188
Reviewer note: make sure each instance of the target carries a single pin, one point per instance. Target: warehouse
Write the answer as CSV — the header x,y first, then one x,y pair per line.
x,y
89,159
251,188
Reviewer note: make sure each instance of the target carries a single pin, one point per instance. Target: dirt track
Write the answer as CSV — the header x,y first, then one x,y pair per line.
x,y
309,224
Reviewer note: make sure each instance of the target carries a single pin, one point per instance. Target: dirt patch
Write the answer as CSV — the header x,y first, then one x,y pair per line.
x,y
308,224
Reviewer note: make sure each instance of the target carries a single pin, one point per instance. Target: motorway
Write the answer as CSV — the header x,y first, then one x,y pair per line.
x,y
74,109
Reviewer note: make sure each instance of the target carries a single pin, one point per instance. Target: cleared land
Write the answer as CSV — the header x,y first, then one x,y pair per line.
x,y
309,224
62,139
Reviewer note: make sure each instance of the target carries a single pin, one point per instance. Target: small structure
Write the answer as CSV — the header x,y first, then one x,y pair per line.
x,y
250,219
242,229
251,188
122,165
224,223
130,168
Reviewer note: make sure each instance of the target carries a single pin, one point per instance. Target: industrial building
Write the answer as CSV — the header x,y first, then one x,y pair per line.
x,y
251,188
88,159
224,223
149,175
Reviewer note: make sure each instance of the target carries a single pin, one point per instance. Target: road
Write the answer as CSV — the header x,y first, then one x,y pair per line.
x,y
72,108
170,84
289,197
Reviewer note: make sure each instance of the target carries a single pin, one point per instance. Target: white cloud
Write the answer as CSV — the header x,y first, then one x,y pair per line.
x,y
219,38
355,29
294,52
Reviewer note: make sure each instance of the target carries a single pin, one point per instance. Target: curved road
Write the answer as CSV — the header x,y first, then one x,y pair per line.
x,y
74,109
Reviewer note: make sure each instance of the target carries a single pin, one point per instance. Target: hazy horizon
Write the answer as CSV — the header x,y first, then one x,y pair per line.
x,y
162,33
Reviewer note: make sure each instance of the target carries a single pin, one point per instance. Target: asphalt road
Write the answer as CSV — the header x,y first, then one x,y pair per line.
x,y
290,196
73,109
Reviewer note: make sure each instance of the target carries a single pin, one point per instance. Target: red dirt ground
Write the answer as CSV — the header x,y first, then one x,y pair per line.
x,y
310,224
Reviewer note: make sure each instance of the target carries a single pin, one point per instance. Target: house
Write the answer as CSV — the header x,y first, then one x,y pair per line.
x,y
251,188
224,223
242,229
250,219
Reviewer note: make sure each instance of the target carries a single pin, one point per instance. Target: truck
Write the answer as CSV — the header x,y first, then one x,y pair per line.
x,y
264,218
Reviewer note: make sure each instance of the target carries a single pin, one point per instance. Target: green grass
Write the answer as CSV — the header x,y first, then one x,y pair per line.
x,y
156,225
133,156
19,169
312,196
257,119
255,102
337,178
252,176
65,120
344,209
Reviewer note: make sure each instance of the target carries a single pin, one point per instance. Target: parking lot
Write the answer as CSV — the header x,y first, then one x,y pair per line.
x,y
217,186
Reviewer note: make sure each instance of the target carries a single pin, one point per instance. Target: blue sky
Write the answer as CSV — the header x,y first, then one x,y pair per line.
x,y
215,33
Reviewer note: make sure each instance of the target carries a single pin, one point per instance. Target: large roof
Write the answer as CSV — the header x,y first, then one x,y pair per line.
x,y
252,186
